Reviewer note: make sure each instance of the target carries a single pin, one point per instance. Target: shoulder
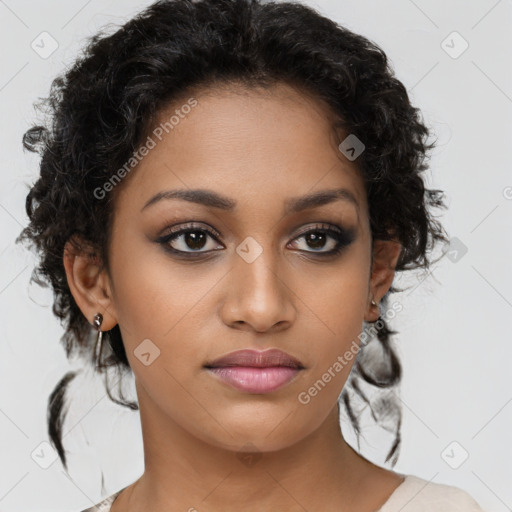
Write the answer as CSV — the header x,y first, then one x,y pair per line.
x,y
418,495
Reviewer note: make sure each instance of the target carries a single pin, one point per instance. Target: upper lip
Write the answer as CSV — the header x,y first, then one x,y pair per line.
x,y
256,358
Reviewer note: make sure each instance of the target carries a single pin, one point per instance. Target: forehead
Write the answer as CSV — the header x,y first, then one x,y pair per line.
x,y
257,145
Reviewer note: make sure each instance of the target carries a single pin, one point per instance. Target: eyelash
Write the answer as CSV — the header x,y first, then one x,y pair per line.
x,y
342,237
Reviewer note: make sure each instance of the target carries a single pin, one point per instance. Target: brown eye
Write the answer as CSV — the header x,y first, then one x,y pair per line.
x,y
189,239
325,240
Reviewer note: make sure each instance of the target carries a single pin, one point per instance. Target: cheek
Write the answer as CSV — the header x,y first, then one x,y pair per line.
x,y
151,294
162,310
339,298
337,310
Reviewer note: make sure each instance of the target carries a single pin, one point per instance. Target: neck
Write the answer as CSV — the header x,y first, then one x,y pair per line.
x,y
183,472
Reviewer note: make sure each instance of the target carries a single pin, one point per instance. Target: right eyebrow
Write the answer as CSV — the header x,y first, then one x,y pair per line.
x,y
200,196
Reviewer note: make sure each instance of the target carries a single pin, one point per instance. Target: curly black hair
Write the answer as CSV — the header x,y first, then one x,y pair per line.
x,y
99,111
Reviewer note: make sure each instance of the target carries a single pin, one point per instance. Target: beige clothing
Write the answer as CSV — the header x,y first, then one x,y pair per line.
x,y
414,494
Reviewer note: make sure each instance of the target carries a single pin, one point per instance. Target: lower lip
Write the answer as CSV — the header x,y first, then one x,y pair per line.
x,y
255,380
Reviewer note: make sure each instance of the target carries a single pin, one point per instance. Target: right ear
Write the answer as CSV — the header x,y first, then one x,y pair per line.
x,y
89,282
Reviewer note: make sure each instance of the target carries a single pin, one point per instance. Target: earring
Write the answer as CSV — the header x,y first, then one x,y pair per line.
x,y
98,319
373,303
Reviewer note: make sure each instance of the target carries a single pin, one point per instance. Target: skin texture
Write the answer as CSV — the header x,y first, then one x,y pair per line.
x,y
259,148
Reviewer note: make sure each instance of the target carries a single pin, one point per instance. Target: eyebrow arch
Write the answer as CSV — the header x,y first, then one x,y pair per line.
x,y
320,198
292,205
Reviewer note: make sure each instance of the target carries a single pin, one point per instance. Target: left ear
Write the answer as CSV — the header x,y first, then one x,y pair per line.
x,y
385,257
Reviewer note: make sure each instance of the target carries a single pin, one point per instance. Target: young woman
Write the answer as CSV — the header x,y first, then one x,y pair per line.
x,y
227,190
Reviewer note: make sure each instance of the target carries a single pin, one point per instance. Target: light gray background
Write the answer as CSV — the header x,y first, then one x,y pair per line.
x,y
454,338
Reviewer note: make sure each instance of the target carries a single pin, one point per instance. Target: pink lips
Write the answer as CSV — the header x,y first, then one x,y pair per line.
x,y
253,371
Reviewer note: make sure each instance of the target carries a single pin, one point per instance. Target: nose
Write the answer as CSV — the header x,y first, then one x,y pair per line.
x,y
258,298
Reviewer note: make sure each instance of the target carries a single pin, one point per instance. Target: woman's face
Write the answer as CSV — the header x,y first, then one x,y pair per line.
x,y
247,275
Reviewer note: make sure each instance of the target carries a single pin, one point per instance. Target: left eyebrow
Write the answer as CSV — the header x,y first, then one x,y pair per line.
x,y
297,204
292,205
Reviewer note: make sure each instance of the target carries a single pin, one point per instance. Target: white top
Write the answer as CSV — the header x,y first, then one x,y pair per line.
x,y
417,495
413,495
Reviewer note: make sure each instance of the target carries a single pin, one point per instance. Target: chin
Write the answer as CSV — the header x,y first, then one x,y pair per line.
x,y
257,440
